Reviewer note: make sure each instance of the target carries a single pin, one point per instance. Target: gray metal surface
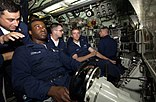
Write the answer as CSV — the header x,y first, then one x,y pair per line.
x,y
146,11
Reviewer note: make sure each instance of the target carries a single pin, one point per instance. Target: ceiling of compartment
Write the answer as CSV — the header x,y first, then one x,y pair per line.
x,y
57,7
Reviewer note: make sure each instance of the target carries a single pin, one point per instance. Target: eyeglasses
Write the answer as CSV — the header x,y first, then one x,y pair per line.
x,y
60,30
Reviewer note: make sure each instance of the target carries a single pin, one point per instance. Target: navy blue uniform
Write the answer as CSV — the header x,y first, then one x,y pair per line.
x,y
12,45
5,69
36,68
108,47
1,79
1,60
81,50
61,45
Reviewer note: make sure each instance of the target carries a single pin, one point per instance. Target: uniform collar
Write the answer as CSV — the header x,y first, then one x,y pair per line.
x,y
55,42
77,43
4,31
35,45
107,36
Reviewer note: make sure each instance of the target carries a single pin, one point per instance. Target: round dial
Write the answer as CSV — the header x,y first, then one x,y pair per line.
x,y
89,13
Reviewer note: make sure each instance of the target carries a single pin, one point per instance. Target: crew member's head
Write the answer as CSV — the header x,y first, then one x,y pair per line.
x,y
75,34
104,31
56,30
9,15
37,30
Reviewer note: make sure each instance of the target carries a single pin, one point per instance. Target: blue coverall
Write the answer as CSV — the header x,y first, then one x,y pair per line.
x,y
5,68
1,60
61,46
81,50
108,47
35,68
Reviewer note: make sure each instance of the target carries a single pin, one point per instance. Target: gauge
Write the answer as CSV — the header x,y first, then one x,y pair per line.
x,y
89,13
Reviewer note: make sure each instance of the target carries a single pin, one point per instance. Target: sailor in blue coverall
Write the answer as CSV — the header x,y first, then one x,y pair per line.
x,y
41,71
107,46
81,50
56,37
14,33
9,47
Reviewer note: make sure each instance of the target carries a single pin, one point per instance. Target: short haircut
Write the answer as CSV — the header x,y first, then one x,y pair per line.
x,y
54,25
8,5
32,17
29,24
75,28
104,27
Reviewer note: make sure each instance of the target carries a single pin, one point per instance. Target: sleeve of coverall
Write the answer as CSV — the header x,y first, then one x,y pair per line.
x,y
23,80
1,60
69,62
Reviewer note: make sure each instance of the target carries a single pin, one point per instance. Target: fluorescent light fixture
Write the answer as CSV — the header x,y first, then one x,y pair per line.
x,y
62,4
69,1
55,6
80,2
59,9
